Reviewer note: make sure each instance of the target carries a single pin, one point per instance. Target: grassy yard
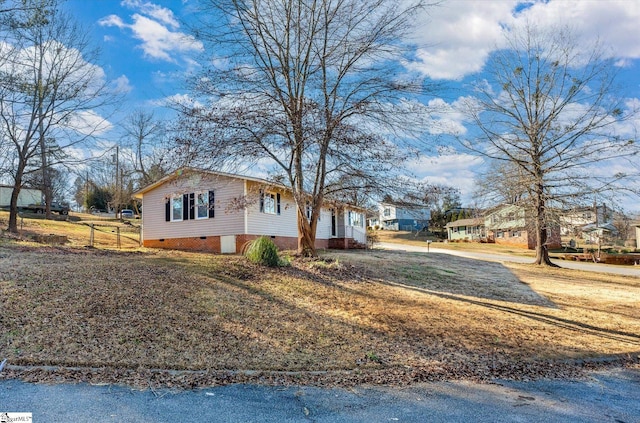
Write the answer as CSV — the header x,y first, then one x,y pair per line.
x,y
405,237
77,228
174,318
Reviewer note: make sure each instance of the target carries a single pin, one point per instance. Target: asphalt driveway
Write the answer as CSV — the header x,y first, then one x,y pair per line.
x,y
610,396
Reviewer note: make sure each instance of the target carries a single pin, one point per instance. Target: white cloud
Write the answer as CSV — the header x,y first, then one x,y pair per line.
x,y
121,85
615,22
454,170
156,28
159,13
456,38
88,123
184,100
112,20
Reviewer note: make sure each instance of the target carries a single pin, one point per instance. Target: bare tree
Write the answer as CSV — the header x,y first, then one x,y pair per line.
x,y
549,110
144,139
311,87
48,87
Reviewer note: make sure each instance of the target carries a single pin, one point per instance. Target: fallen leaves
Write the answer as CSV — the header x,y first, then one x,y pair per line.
x,y
173,319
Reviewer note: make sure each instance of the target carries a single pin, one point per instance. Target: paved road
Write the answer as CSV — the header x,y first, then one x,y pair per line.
x,y
611,396
592,267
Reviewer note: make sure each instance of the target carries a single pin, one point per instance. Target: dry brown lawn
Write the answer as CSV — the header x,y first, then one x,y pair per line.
x,y
410,238
352,317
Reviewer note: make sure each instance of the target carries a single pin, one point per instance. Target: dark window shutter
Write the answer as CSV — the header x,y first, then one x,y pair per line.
x,y
212,204
261,201
167,210
278,203
192,206
185,207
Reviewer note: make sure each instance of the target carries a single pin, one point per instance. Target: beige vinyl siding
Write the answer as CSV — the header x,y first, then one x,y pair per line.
x,y
259,223
323,231
285,224
227,221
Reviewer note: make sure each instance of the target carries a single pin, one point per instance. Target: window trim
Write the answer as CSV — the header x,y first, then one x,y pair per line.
x,y
198,206
175,199
275,197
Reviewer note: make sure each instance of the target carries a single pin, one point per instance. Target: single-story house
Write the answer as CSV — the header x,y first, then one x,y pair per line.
x,y
466,230
403,216
219,212
598,233
510,225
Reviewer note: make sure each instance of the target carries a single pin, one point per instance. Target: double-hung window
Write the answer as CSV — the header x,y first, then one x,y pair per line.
x,y
176,208
202,205
269,203
355,219
190,206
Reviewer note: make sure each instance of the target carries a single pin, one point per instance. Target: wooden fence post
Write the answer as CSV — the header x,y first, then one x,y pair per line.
x,y
91,236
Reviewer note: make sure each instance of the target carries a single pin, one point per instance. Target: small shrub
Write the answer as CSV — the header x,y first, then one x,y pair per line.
x,y
263,251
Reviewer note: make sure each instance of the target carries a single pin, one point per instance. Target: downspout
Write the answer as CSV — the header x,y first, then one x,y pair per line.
x,y
246,209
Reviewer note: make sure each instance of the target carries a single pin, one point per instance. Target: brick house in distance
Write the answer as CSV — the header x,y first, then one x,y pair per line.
x,y
219,212
509,225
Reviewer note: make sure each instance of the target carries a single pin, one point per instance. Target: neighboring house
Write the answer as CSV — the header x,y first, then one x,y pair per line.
x,y
220,212
510,225
578,221
401,216
597,234
466,230
27,196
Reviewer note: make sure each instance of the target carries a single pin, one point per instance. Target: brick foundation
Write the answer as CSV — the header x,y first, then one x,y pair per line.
x,y
211,244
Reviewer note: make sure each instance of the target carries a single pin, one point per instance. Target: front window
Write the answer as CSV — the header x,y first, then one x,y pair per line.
x,y
269,205
176,208
202,205
355,219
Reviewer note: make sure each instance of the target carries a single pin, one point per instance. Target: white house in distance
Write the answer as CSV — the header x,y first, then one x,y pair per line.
x,y
402,216
27,196
219,212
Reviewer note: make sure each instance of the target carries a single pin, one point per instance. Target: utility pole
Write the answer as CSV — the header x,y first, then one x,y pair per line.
x,y
117,180
116,159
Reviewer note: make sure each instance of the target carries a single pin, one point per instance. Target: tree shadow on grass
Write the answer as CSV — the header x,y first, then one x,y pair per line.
x,y
450,274
556,321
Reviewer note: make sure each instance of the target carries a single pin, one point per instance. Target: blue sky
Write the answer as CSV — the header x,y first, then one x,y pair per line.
x,y
147,50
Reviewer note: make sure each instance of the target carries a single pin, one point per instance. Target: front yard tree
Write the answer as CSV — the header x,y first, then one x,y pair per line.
x,y
48,88
550,111
307,86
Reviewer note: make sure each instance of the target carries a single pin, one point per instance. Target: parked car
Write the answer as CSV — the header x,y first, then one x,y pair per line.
x,y
40,208
127,214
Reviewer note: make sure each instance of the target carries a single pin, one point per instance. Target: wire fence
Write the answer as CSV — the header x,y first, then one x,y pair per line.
x,y
114,235
97,233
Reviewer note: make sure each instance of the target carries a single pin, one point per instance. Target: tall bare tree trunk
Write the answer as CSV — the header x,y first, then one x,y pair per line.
x,y
13,206
306,235
542,249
